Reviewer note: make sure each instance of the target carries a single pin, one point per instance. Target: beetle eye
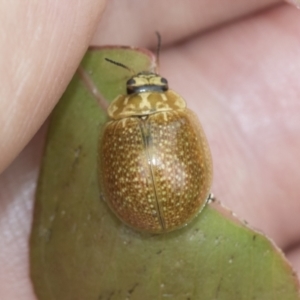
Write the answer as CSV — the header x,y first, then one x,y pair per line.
x,y
131,81
164,81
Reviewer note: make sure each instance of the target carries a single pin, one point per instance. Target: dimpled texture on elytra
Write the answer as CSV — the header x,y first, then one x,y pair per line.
x,y
156,170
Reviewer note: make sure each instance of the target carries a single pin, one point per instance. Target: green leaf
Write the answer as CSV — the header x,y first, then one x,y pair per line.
x,y
80,250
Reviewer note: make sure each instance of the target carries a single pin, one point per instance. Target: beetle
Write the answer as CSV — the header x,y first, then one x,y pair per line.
x,y
155,162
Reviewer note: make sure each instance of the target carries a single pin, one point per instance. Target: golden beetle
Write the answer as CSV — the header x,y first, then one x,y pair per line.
x,y
155,164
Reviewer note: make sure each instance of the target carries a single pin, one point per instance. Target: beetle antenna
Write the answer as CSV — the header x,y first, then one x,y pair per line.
x,y
120,65
158,49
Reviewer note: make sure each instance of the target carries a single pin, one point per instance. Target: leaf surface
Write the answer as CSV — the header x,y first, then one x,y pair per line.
x,y
80,250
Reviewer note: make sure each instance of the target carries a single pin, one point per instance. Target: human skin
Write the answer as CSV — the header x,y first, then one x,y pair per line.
x,y
235,62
